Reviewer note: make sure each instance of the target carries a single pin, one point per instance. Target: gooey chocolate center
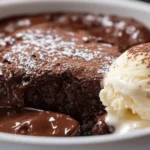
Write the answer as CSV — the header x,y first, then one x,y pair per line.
x,y
36,122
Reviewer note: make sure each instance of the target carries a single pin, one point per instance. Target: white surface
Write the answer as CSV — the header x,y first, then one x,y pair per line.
x,y
138,140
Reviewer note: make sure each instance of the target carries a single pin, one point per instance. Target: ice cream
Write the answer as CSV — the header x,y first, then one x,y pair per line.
x,y
126,92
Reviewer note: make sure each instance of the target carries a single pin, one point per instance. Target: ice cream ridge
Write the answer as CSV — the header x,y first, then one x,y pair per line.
x,y
126,92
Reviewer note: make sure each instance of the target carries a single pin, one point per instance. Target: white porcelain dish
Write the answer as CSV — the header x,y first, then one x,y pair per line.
x,y
132,141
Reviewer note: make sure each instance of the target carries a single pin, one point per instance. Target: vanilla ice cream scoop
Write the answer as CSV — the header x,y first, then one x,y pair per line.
x,y
126,92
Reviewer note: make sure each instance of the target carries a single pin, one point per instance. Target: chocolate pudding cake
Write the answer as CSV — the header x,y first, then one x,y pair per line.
x,y
55,62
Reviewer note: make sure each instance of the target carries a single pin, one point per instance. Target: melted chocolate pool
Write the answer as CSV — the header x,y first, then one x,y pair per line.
x,y
36,122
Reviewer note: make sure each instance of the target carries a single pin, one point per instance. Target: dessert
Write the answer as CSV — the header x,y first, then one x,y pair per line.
x,y
126,92
56,61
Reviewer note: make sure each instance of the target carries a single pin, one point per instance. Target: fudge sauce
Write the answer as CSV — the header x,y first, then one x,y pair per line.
x,y
36,122
55,62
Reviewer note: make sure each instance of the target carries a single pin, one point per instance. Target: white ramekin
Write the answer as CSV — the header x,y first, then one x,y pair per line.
x,y
132,141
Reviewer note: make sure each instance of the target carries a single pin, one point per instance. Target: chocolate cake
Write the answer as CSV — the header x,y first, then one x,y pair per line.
x,y
101,128
56,61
